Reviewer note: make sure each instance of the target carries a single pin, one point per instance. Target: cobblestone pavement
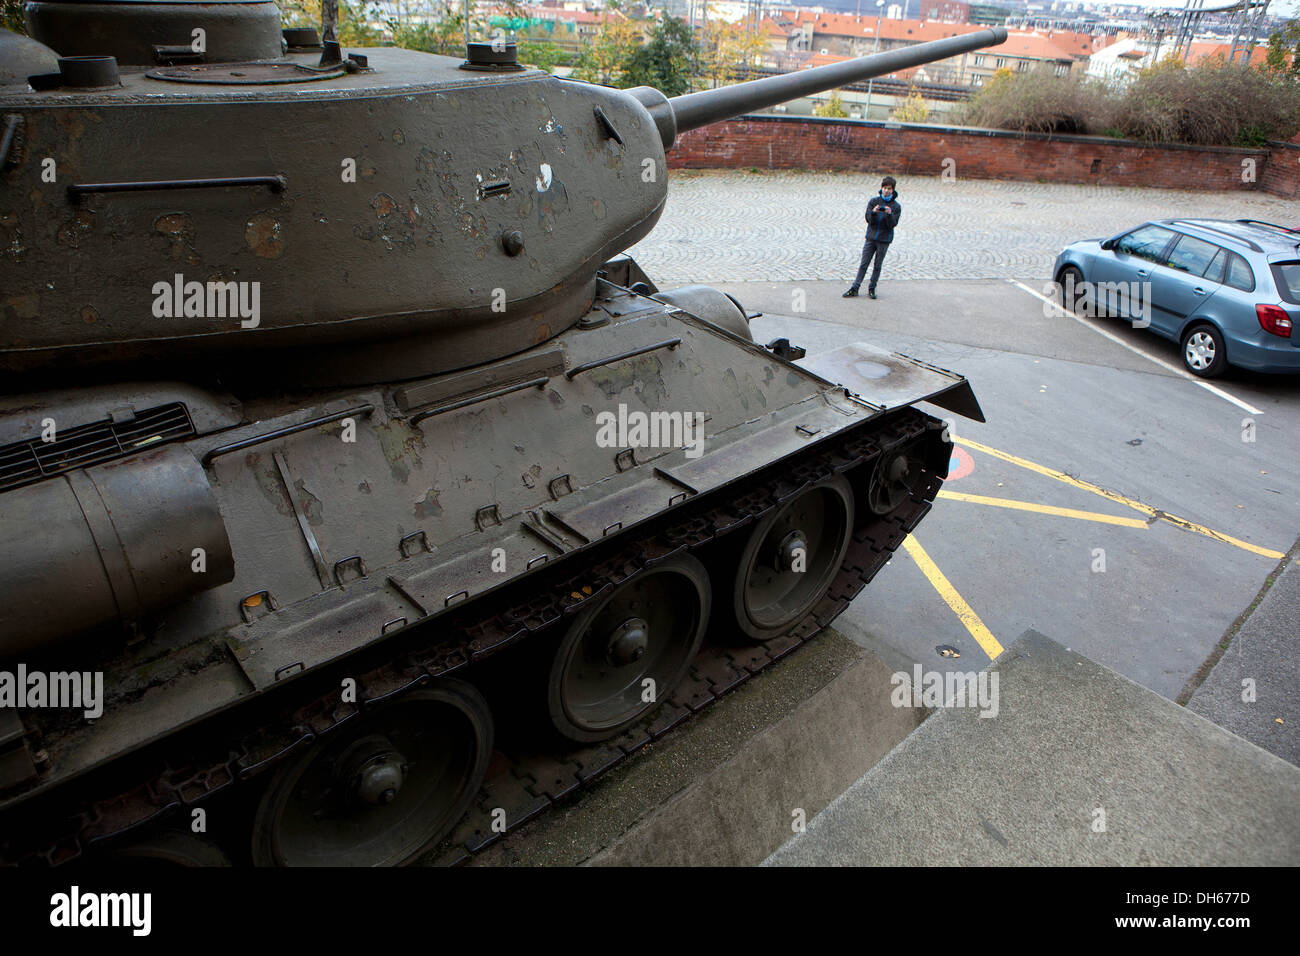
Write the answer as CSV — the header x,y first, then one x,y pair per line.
x,y
738,226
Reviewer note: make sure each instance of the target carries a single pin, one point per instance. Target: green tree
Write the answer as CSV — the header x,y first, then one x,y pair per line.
x,y
728,51
11,16
542,54
606,57
1284,44
667,61
355,18
833,107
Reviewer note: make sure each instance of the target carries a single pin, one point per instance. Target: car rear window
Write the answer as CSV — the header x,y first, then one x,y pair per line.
x,y
1287,275
1192,255
1239,275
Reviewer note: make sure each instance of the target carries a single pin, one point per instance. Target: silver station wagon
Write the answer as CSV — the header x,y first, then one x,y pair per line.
x,y
1226,290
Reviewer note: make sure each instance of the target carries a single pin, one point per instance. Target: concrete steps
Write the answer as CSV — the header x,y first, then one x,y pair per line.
x,y
1263,651
1070,739
743,809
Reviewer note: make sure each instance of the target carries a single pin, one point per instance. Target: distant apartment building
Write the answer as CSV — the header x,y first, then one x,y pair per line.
x,y
988,15
835,34
946,11
1060,52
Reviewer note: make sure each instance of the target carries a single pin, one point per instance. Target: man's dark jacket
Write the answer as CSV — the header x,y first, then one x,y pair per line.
x,y
882,217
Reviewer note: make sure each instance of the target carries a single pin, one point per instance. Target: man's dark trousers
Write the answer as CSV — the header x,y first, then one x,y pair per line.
x,y
871,248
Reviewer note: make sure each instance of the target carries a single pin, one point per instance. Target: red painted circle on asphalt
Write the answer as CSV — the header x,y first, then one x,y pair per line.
x,y
960,464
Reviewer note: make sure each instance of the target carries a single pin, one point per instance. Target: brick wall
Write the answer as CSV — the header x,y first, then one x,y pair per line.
x,y
1282,173
788,142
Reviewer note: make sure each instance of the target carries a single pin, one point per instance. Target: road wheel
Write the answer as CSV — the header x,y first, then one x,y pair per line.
x,y
625,654
790,559
381,789
167,848
898,473
1204,353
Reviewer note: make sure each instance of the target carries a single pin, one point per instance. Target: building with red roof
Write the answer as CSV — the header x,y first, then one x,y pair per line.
x,y
840,34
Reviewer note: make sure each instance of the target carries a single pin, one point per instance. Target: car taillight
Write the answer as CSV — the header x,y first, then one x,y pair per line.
x,y
1273,319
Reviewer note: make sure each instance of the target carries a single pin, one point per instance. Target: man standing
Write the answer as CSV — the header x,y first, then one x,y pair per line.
x,y
882,216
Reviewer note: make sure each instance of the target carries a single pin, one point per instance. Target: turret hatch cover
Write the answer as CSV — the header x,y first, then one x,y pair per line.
x,y
246,74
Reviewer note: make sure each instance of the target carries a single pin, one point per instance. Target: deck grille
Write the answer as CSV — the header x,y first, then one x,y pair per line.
x,y
24,462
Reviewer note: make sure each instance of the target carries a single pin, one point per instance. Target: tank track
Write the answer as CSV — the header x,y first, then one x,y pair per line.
x,y
526,784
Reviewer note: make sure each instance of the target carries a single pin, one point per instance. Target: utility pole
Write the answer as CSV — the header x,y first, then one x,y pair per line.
x,y
880,12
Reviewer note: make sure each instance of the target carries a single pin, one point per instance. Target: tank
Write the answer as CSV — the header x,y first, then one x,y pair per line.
x,y
338,433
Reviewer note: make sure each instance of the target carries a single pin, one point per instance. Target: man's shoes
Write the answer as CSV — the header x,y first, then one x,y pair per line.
x,y
853,294
871,293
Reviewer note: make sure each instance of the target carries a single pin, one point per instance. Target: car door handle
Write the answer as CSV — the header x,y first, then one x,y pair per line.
x,y
1142,273
1199,291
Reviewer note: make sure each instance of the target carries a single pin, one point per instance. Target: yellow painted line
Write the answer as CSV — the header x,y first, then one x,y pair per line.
x,y
1044,509
968,617
1136,505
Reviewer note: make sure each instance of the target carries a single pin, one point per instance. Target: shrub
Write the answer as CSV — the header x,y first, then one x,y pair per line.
x,y
1213,104
1039,102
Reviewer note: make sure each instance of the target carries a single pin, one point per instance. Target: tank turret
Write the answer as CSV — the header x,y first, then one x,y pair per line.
x,y
202,201
330,407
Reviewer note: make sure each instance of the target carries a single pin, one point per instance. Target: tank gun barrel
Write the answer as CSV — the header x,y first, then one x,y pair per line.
x,y
693,110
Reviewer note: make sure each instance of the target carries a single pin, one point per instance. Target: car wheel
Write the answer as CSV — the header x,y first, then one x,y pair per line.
x,y
1071,282
1204,353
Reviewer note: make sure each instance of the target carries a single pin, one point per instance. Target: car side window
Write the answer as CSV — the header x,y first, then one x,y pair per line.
x,y
1214,272
1239,275
1145,242
1192,255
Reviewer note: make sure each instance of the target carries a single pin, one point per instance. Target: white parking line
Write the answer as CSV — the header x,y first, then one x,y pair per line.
x,y
1214,389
